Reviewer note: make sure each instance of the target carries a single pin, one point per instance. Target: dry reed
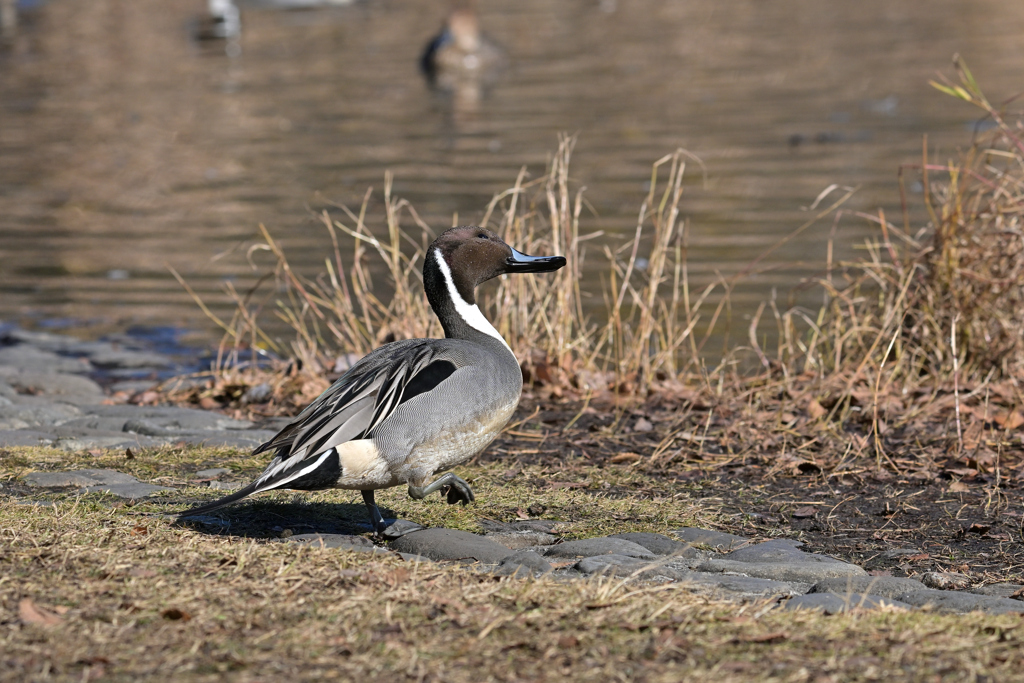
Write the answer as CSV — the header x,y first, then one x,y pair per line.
x,y
876,356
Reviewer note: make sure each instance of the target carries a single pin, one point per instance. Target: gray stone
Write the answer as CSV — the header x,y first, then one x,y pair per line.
x,y
947,581
621,565
809,572
528,559
776,550
90,477
130,491
961,602
257,394
538,525
120,358
830,603
212,473
589,547
42,340
178,420
891,587
514,570
401,527
66,387
132,386
659,544
715,539
412,557
226,486
745,587
37,360
33,412
515,540
450,544
1000,590
342,541
24,437
91,424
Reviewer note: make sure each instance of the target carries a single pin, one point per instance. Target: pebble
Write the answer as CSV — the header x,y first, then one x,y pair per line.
x,y
714,539
659,544
401,527
1001,590
517,540
451,544
948,581
830,603
960,602
523,560
621,565
886,586
780,560
605,545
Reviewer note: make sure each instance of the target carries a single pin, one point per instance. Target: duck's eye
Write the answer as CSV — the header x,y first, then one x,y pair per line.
x,y
482,235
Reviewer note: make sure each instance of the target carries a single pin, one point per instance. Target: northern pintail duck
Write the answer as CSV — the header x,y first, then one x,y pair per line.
x,y
460,47
416,407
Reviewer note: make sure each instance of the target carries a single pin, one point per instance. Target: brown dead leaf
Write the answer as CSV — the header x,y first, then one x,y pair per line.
x,y
624,457
31,613
522,514
958,487
1011,420
918,558
145,398
568,642
209,403
139,531
805,512
815,409
95,452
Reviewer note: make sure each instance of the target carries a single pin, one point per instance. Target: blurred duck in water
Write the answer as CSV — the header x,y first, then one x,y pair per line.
x,y
460,49
222,21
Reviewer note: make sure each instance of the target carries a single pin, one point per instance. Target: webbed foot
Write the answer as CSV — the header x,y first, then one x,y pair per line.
x,y
455,488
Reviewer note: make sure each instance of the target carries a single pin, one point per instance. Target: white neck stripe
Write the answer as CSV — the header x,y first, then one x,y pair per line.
x,y
468,312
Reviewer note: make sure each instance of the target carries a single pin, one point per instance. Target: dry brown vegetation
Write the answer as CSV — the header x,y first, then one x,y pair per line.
x,y
912,365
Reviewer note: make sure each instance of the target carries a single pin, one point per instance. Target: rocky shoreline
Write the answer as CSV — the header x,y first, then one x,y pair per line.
x,y
49,396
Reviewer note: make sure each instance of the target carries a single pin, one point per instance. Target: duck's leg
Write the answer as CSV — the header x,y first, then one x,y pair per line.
x,y
376,519
458,489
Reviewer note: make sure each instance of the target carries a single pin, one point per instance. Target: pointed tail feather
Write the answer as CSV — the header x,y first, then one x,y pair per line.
x,y
217,504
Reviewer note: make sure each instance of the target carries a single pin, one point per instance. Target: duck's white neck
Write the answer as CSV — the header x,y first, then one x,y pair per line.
x,y
470,313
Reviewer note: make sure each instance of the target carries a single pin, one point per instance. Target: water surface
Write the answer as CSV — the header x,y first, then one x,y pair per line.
x,y
126,147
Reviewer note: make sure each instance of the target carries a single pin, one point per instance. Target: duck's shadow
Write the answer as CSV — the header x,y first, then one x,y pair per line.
x,y
271,519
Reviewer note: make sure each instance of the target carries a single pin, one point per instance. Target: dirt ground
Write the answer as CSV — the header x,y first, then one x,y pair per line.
x,y
939,515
